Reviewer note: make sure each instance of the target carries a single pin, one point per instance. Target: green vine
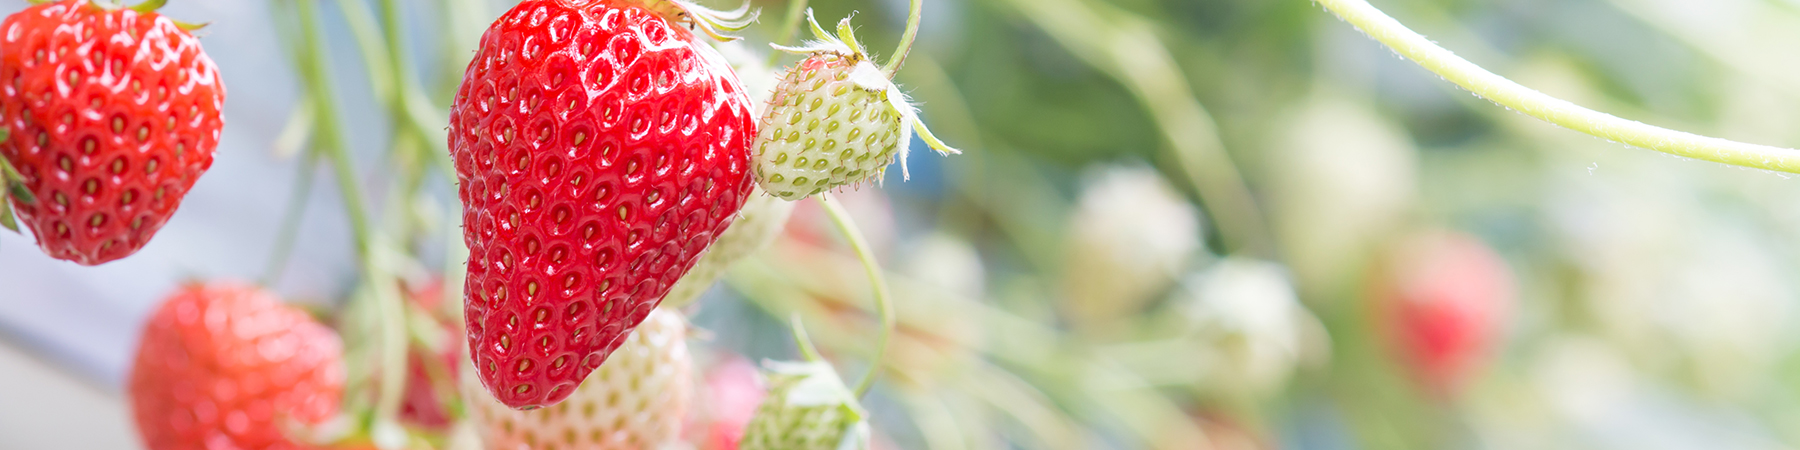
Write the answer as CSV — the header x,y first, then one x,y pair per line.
x,y
1498,89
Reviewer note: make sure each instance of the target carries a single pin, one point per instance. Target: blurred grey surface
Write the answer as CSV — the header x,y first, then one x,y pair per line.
x,y
64,413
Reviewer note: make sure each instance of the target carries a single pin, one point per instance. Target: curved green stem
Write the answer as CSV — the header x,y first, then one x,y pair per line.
x,y
883,307
906,38
1536,104
802,341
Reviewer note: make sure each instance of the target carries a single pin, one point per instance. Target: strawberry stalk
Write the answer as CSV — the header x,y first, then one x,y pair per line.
x,y
802,341
1479,81
906,40
390,335
883,307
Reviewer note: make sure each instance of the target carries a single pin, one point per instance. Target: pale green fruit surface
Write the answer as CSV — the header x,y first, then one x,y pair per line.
x,y
808,408
827,126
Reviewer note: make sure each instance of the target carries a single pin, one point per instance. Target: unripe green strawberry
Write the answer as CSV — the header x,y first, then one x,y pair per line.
x,y
636,400
834,120
759,222
807,408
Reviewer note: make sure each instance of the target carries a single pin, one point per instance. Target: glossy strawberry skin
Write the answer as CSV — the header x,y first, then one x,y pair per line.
x,y
226,365
113,115
599,151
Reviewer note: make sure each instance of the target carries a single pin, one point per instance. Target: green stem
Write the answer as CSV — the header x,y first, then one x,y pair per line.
x,y
883,308
796,11
1536,104
330,140
393,35
906,38
802,341
367,33
390,334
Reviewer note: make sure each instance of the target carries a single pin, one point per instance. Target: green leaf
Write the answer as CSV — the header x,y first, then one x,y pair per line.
x,y
12,181
6,216
23,195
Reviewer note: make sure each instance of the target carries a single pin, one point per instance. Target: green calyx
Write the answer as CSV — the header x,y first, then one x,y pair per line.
x,y
714,23
148,6
843,43
12,186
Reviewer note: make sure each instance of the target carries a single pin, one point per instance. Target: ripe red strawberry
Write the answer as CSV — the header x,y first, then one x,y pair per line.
x,y
113,113
1445,296
638,400
600,149
227,365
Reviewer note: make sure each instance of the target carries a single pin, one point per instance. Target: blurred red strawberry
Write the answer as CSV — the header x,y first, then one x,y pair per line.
x,y
227,365
1444,296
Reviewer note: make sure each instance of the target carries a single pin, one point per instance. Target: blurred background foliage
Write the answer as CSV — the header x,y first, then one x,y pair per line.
x,y
1651,293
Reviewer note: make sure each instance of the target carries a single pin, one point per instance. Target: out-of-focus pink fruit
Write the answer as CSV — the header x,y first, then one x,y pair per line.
x,y
1444,296
733,390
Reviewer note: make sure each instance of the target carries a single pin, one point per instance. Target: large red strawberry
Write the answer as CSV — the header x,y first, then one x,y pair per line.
x,y
227,365
600,148
1445,296
112,114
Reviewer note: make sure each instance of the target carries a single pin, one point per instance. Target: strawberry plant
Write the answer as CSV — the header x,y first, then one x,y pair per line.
x,y
555,213
226,364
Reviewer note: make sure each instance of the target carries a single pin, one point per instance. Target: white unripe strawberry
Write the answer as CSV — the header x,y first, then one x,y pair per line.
x,y
835,119
638,399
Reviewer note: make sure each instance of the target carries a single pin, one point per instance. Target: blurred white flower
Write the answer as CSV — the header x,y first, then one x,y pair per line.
x,y
1341,178
947,262
1253,326
1129,236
